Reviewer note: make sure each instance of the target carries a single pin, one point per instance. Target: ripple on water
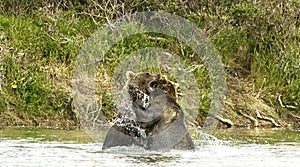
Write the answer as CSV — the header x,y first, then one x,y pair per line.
x,y
210,151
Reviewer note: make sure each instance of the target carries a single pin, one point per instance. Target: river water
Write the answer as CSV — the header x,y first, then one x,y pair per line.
x,y
230,147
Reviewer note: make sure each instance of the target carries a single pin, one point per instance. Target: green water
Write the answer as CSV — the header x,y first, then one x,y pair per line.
x,y
65,136
258,136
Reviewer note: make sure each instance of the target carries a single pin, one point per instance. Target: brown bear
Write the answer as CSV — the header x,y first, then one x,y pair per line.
x,y
170,88
157,114
125,130
167,130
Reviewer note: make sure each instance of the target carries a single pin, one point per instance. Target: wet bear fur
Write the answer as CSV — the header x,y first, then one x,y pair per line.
x,y
167,129
158,115
163,119
125,130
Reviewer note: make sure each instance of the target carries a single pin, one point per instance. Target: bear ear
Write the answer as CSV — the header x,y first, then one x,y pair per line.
x,y
130,75
164,77
176,85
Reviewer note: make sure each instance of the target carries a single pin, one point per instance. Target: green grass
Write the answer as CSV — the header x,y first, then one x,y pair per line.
x,y
38,59
42,41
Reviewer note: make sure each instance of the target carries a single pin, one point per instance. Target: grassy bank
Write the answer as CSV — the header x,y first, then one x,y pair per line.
x,y
258,43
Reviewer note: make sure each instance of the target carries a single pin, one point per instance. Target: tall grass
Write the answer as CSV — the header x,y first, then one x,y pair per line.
x,y
257,40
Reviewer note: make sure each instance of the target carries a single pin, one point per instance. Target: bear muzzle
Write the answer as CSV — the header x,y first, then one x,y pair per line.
x,y
156,79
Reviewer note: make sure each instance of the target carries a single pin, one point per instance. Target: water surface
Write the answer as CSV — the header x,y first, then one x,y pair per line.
x,y
231,147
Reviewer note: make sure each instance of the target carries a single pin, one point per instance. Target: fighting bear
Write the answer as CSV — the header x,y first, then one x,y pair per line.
x,y
158,116
125,130
166,129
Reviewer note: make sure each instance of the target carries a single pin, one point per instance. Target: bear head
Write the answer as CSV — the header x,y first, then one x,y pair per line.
x,y
170,88
149,95
139,87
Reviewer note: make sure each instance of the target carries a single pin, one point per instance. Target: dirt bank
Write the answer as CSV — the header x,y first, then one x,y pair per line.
x,y
245,107
11,119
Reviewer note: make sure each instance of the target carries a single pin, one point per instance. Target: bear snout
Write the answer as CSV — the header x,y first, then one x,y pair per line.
x,y
151,84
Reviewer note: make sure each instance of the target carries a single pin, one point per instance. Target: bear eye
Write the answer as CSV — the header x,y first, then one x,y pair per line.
x,y
147,73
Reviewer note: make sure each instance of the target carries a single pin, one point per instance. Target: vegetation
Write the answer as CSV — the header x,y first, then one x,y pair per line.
x,y
258,42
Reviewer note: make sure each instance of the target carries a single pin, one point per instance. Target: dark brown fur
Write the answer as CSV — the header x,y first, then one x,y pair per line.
x,y
157,113
168,129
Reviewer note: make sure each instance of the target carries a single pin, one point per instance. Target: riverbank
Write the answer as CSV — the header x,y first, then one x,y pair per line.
x,y
11,120
259,48
241,111
244,108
